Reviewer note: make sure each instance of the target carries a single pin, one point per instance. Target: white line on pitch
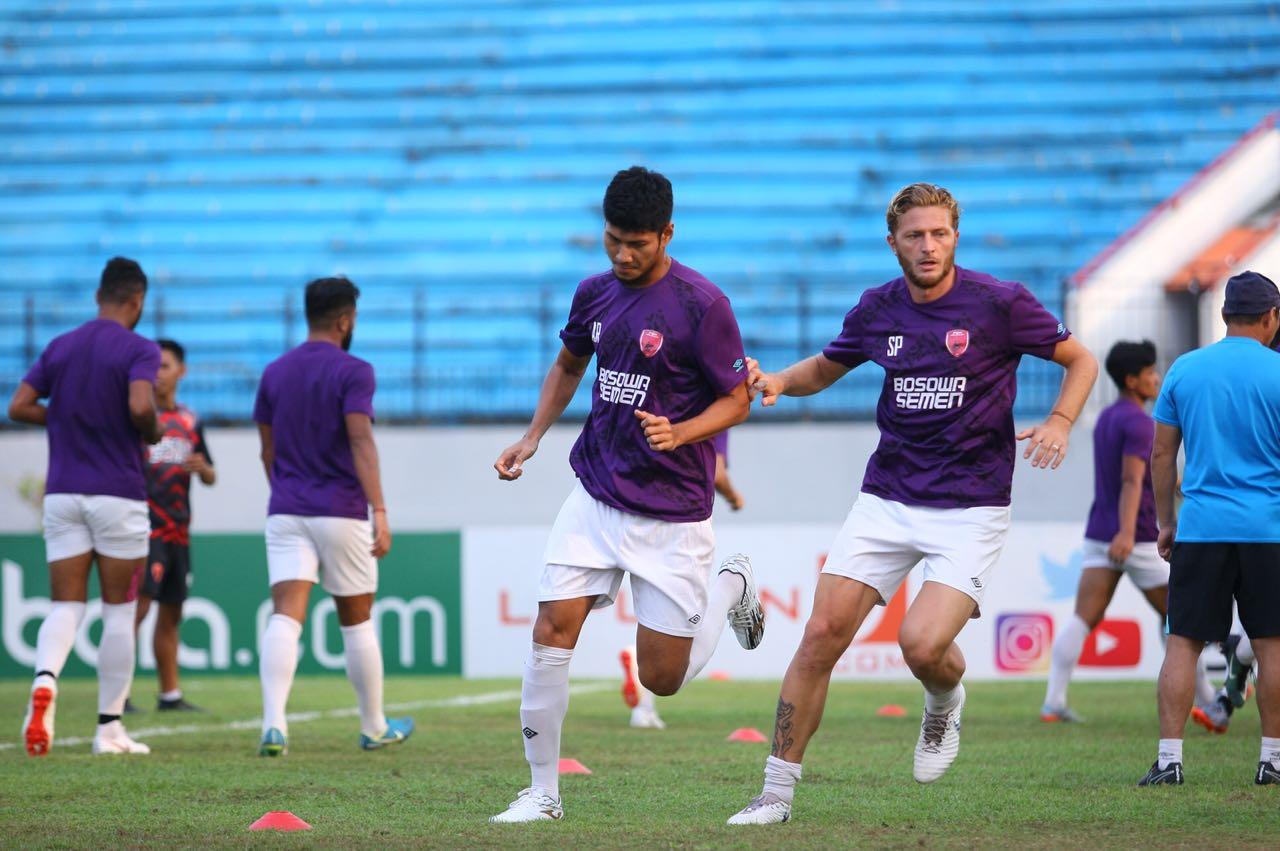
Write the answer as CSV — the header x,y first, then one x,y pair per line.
x,y
303,717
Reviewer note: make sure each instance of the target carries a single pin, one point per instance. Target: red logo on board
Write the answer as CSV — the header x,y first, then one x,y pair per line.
x,y
1113,644
650,342
957,341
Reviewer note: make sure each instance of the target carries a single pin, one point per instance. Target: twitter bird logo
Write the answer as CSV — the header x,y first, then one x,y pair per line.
x,y
1061,578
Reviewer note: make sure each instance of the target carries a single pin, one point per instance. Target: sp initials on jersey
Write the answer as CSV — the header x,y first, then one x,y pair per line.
x,y
650,342
895,345
957,341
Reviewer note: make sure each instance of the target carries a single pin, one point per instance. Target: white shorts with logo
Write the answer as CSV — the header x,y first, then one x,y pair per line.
x,y
882,540
1144,565
334,551
113,526
593,545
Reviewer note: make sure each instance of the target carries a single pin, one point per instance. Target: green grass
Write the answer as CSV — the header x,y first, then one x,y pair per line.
x,y
1017,782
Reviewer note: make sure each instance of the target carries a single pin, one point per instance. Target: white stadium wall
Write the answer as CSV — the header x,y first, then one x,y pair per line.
x,y
1264,259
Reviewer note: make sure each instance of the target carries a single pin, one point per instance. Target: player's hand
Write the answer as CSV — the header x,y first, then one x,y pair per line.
x,y
381,535
763,384
734,499
1048,443
1164,543
197,463
1121,548
658,432
510,463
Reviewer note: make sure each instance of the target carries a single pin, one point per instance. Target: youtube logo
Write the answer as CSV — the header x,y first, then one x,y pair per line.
x,y
1113,644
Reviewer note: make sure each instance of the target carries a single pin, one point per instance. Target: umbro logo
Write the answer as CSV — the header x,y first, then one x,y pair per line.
x,y
695,619
529,734
977,583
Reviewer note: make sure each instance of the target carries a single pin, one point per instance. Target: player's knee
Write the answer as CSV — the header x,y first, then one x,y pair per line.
x,y
922,651
549,633
662,682
824,642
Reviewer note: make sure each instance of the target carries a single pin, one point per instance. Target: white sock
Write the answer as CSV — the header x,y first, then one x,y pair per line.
x,y
115,657
937,702
277,663
1270,751
725,593
1066,652
171,696
646,700
364,670
544,700
1244,651
1205,692
1170,751
780,778
57,635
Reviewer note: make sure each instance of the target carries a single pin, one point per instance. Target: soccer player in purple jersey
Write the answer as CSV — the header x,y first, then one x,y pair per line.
x,y
937,488
315,418
99,380
670,375
1120,536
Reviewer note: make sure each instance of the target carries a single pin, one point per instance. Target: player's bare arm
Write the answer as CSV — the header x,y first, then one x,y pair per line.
x,y
557,391
142,409
809,376
200,465
268,452
1133,470
1047,442
724,413
25,406
364,452
1164,480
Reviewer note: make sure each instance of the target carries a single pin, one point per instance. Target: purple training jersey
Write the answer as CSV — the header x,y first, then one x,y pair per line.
x,y
94,447
1123,429
720,443
670,349
946,408
305,396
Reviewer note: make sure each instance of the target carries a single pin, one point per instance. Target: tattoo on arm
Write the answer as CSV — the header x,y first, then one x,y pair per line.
x,y
782,727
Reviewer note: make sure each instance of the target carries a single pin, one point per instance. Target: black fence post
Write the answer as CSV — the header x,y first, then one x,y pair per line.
x,y
288,321
419,351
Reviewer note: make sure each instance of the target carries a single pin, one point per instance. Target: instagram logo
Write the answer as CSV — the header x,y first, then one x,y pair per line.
x,y
1023,643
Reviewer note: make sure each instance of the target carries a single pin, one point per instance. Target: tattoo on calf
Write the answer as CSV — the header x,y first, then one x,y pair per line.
x,y
782,727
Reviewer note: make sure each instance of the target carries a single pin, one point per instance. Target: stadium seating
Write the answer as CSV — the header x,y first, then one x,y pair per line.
x,y
450,158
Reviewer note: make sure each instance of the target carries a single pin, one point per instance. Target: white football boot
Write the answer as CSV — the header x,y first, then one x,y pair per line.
x,y
111,738
746,617
765,808
530,805
939,742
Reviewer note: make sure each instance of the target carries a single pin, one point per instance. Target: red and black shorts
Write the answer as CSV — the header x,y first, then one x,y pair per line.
x,y
168,572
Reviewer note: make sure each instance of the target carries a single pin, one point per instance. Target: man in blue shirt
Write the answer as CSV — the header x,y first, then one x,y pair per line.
x,y
1224,400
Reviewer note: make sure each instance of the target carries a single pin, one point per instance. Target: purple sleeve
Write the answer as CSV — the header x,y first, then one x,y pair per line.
x,y
357,394
719,348
1032,329
1139,436
38,377
578,335
146,363
721,445
847,349
262,404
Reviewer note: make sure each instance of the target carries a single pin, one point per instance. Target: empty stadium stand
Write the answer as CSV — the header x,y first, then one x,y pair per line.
x,y
450,157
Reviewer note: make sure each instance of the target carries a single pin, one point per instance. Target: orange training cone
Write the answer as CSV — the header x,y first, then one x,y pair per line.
x,y
572,766
746,734
891,710
279,820
719,676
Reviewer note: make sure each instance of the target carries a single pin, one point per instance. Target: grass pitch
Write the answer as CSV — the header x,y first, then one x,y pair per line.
x,y
1016,783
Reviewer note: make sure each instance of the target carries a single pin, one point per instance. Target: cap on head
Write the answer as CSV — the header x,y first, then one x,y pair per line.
x,y
1250,294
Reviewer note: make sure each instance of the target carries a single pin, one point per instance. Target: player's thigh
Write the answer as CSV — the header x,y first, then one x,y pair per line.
x,y
1202,577
670,566
840,605
119,578
1258,597
66,532
961,546
291,554
559,622
873,546
353,610
69,578
1097,586
289,597
935,618
345,548
121,528
662,657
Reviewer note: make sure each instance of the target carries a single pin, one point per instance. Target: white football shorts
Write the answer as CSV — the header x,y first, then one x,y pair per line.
x,y
1144,565
593,545
334,551
882,540
113,526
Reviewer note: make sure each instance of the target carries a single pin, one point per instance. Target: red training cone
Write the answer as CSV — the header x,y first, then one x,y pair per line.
x,y
279,820
572,766
746,734
719,676
891,710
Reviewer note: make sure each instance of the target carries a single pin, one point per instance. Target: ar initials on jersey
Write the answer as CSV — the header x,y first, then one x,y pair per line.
x,y
895,345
